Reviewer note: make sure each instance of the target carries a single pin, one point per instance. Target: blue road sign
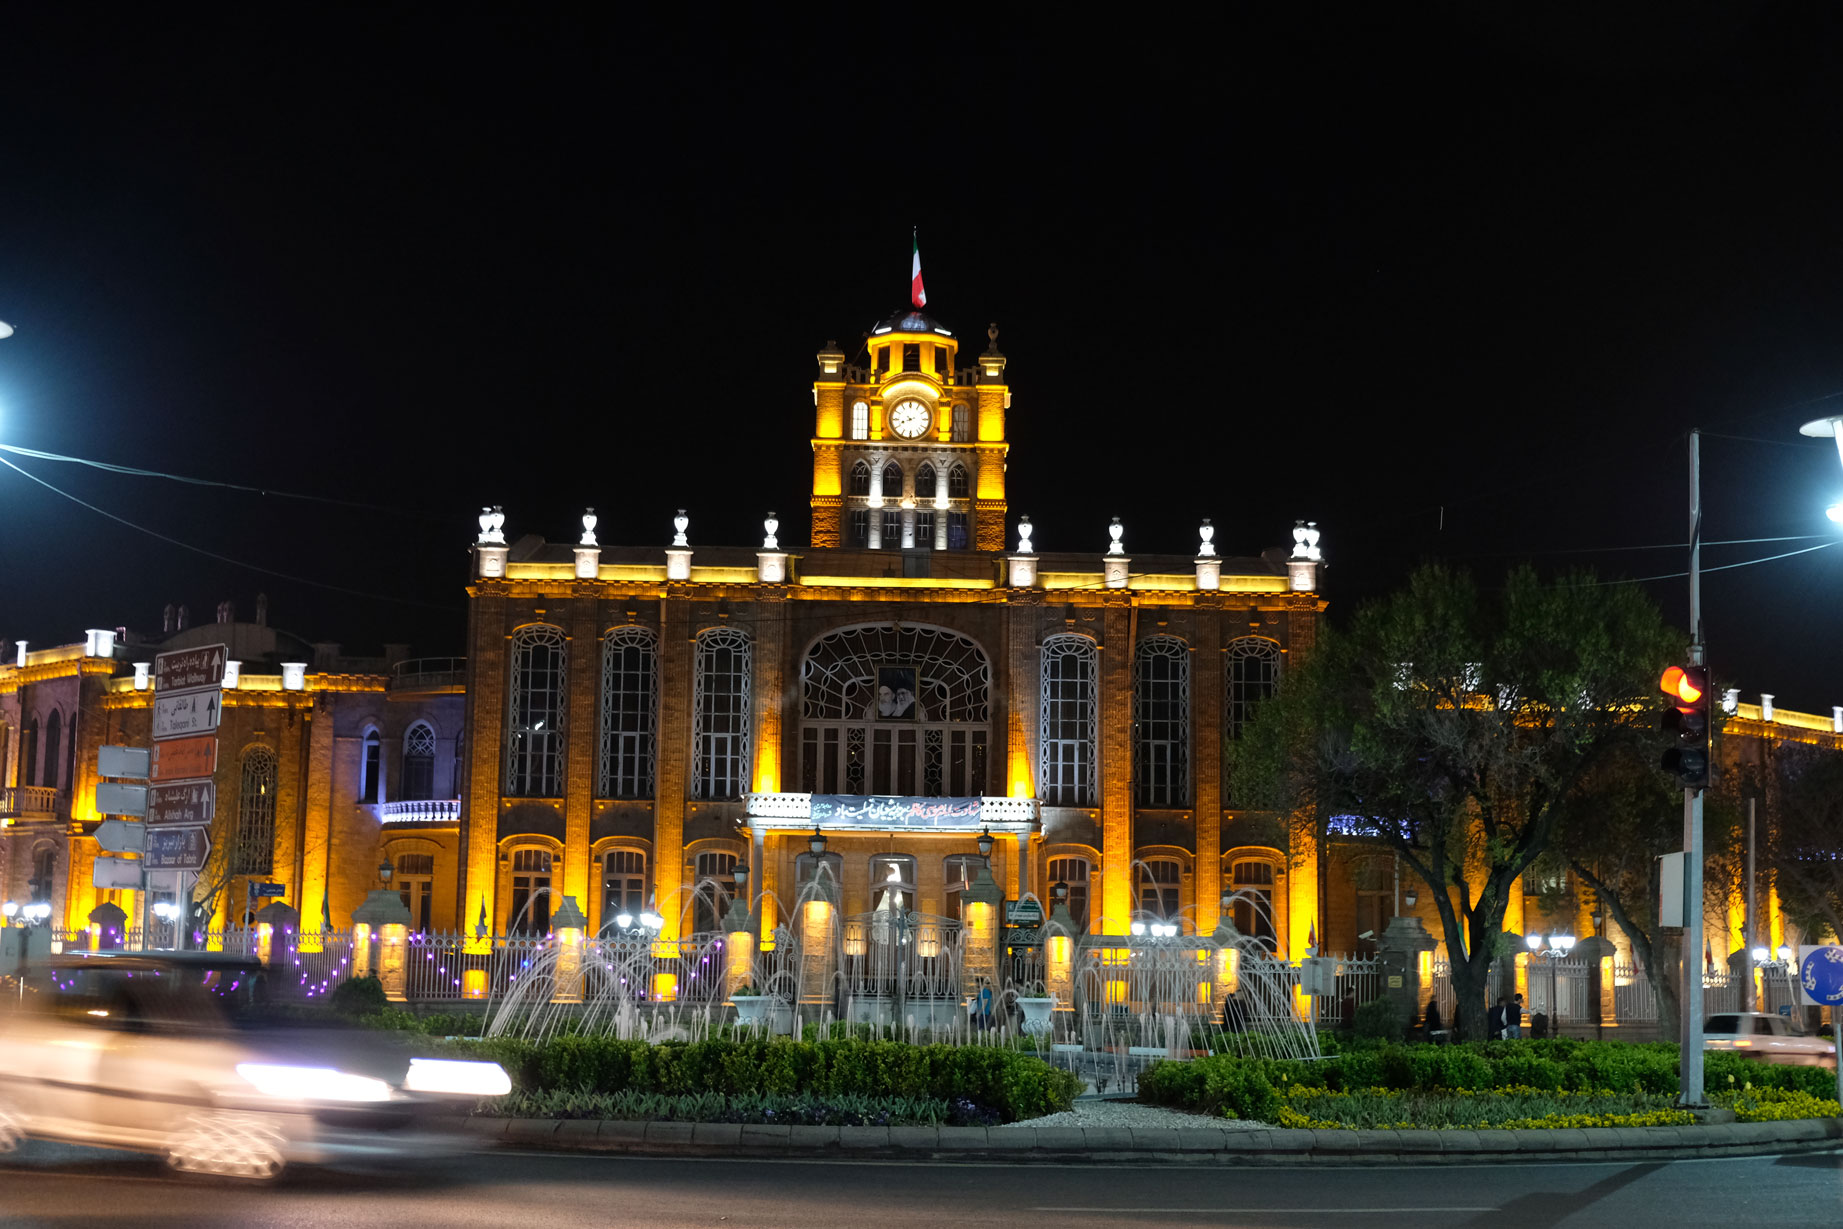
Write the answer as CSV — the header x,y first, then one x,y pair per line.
x,y
1822,975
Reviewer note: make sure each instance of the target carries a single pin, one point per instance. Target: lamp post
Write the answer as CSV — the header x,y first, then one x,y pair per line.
x,y
1551,949
385,871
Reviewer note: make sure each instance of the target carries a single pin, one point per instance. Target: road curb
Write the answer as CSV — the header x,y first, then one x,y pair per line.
x,y
1183,1145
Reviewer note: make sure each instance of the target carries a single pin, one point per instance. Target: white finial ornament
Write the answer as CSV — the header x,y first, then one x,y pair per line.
x,y
1305,541
769,529
1207,532
492,526
680,523
1114,530
1023,536
588,529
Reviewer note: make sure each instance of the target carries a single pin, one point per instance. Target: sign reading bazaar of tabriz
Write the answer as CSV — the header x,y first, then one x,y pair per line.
x,y
884,811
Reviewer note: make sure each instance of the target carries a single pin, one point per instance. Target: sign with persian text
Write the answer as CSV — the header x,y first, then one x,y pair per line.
x,y
186,757
189,668
182,802
186,714
887,811
177,849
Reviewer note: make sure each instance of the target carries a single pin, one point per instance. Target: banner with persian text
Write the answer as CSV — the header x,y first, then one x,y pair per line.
x,y
884,811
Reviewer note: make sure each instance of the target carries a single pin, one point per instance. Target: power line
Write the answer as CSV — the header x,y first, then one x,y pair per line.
x,y
1745,563
299,580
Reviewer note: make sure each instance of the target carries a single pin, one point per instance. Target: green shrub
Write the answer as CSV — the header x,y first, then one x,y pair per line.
x,y
1380,1019
358,996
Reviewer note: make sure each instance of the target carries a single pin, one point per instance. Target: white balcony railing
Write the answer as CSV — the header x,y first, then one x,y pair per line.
x,y
17,800
420,811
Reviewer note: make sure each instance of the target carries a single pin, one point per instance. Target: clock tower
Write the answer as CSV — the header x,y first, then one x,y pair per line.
x,y
909,449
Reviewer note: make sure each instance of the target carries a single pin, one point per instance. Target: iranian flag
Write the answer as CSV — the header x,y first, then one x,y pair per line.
x,y
916,292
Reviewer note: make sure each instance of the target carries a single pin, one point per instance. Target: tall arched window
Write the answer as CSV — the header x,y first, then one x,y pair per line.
x,y
1253,673
892,481
860,421
1074,873
1068,728
860,478
534,745
44,881
1161,723
623,886
715,884
630,667
957,486
721,690
924,482
530,903
418,782
54,728
1252,879
1159,880
28,752
371,768
962,425
254,853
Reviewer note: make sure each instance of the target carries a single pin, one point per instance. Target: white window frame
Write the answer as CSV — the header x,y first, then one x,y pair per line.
x,y
538,704
629,713
1068,721
1161,723
720,740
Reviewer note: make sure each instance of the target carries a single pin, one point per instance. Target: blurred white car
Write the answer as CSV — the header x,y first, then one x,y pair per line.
x,y
1771,1039
181,1055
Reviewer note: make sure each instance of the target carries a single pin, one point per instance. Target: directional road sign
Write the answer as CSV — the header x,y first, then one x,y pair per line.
x,y
1820,974
1023,912
182,802
120,798
271,889
177,848
116,873
188,668
121,836
133,762
184,714
182,758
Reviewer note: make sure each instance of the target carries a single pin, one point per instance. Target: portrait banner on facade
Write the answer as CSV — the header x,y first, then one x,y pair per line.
x,y
887,811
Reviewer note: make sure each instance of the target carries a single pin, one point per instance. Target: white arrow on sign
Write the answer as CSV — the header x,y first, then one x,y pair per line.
x,y
116,798
121,836
186,713
116,873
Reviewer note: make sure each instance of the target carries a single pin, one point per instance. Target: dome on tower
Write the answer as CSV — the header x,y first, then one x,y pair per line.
x,y
910,320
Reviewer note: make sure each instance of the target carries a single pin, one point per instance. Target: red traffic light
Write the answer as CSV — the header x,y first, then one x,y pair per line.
x,y
1686,686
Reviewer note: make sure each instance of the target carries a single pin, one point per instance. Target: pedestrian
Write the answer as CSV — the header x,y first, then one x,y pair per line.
x,y
1234,1014
1513,1018
1431,1024
982,1009
1494,1021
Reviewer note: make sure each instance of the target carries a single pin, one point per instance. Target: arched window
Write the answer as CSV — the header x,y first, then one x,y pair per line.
x,y
860,477
721,690
44,879
371,769
957,486
1068,729
892,882
54,727
1253,880
924,482
895,709
860,422
530,890
892,481
1161,723
1253,673
630,706
418,763
28,752
1074,872
1158,887
715,884
534,746
962,425
623,886
254,853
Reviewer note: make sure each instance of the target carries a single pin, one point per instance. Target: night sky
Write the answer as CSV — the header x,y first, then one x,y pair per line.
x,y
1453,283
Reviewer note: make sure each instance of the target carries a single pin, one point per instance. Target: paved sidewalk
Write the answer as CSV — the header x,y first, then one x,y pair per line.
x,y
1184,1145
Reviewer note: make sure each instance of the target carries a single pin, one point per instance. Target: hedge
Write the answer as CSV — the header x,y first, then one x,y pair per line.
x,y
1012,1084
1252,1088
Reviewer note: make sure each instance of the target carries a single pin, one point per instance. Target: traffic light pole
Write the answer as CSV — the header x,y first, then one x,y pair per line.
x,y
1690,1050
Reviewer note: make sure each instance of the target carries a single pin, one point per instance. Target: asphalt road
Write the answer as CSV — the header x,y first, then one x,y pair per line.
x,y
51,1186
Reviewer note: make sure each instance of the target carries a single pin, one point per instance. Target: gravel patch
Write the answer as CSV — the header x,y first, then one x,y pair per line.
x,y
1099,1113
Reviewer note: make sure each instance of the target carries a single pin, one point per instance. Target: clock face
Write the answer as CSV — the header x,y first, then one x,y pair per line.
x,y
909,419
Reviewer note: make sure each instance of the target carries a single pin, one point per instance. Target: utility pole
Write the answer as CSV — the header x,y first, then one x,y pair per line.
x,y
1690,1049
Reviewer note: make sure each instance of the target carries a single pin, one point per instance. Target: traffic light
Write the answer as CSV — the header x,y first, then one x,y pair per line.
x,y
1688,719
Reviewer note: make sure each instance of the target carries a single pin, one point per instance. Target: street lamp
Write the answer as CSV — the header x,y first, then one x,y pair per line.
x,y
385,871
816,842
1832,428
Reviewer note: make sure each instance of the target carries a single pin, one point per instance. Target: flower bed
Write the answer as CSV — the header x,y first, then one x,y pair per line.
x,y
835,1111
1561,1083
1004,1083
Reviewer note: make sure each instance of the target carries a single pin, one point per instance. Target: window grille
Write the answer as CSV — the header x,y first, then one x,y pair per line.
x,y
892,481
415,864
911,356
1068,721
534,748
419,762
369,769
720,713
957,537
630,707
957,484
860,478
924,530
1159,880
1161,723
860,422
860,527
1074,872
254,853
962,425
1254,672
838,679
924,482
892,528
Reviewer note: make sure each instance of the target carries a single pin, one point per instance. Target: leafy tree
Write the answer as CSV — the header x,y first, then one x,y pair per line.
x,y
1807,828
1452,726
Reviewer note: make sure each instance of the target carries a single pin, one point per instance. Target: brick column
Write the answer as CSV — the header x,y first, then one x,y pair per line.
x,y
1111,913
317,823
1206,719
486,713
773,761
674,771
582,735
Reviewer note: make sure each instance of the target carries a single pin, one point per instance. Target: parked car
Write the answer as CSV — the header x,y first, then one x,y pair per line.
x,y
1772,1039
183,1055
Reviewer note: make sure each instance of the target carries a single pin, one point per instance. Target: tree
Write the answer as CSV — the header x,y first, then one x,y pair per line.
x,y
1452,727
1802,844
